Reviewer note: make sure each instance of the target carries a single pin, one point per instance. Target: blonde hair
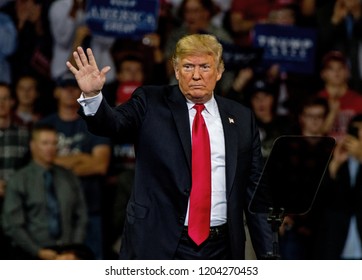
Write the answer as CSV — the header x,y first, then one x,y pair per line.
x,y
199,44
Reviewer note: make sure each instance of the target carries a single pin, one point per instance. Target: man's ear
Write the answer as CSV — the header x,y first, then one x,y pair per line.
x,y
176,72
57,92
219,75
32,145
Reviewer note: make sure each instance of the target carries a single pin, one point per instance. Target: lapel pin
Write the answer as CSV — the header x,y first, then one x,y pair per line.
x,y
231,120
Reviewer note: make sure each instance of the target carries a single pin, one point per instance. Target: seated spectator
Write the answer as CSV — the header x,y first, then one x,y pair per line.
x,y
130,75
26,96
297,232
44,218
83,153
339,25
344,103
271,126
340,232
34,43
312,116
15,139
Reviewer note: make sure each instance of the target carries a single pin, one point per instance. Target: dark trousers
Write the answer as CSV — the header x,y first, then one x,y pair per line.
x,y
216,247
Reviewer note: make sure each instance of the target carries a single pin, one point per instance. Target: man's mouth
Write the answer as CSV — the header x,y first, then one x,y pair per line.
x,y
196,86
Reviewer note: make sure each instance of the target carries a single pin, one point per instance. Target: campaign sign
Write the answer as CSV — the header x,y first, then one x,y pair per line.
x,y
122,18
236,57
293,48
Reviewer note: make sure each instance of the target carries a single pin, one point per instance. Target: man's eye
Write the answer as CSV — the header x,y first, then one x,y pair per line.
x,y
188,67
205,67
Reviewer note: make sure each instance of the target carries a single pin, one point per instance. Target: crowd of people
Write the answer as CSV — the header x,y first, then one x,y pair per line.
x,y
40,124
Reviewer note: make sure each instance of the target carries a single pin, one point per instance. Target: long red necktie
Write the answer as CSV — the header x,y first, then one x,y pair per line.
x,y
200,197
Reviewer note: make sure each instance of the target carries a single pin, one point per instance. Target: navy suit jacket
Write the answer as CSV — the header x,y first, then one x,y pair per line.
x,y
156,118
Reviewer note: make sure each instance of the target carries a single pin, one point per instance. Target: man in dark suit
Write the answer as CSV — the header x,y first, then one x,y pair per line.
x,y
159,120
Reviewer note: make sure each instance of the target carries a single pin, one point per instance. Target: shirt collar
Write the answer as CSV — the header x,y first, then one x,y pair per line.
x,y
210,106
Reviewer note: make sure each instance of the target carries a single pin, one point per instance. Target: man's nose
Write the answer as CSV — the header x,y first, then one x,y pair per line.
x,y
196,74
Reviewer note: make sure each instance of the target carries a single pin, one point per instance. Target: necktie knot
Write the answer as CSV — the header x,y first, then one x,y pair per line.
x,y
199,107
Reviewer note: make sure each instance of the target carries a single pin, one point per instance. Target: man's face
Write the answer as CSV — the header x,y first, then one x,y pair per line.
x,y
26,91
335,73
44,147
67,96
262,104
131,71
197,76
196,16
312,120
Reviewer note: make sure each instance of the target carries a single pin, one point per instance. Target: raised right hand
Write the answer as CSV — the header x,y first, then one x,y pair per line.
x,y
89,78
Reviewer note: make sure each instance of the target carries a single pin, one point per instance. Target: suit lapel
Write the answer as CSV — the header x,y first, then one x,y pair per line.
x,y
178,106
231,144
179,110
